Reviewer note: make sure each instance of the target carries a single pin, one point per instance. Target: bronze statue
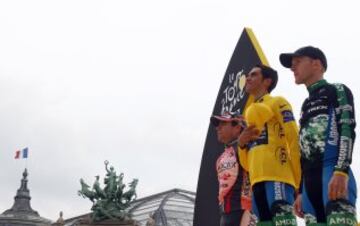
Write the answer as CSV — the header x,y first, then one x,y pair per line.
x,y
96,187
131,193
85,192
110,202
110,180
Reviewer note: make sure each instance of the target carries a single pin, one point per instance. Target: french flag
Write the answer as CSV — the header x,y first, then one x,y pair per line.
x,y
23,153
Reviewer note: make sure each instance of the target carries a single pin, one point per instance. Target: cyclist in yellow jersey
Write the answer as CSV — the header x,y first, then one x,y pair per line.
x,y
269,150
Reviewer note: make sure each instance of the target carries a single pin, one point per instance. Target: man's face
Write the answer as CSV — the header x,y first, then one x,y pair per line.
x,y
303,68
226,132
255,81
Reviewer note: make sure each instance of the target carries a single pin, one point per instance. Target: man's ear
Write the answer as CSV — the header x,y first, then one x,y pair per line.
x,y
267,82
318,65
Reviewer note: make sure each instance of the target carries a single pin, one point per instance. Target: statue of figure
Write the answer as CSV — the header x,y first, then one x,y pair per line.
x,y
60,221
110,181
130,195
96,187
120,187
150,221
85,192
110,202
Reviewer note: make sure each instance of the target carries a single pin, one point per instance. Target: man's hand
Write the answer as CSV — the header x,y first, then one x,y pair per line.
x,y
338,186
298,207
248,134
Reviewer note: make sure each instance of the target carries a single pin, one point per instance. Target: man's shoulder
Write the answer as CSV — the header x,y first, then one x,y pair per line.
x,y
341,86
280,101
339,89
282,108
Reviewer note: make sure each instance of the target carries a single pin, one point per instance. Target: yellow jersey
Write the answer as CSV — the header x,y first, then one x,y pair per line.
x,y
275,154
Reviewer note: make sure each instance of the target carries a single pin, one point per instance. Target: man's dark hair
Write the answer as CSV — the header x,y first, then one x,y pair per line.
x,y
268,72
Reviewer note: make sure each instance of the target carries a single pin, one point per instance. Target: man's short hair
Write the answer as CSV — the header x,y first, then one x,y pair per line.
x,y
268,72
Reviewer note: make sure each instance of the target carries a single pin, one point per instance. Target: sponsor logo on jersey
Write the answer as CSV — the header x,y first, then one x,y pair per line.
x,y
279,130
342,220
348,121
316,108
345,149
333,133
279,190
226,165
344,108
315,102
287,116
262,139
285,222
281,155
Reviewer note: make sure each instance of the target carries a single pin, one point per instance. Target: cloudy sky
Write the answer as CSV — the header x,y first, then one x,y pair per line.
x,y
134,82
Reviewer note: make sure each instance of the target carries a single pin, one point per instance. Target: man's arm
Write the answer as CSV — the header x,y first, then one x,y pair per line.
x,y
346,122
248,134
345,116
291,133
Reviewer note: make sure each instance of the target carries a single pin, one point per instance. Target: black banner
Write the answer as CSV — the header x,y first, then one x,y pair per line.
x,y
231,97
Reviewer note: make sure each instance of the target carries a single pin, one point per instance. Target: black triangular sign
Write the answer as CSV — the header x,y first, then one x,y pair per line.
x,y
231,97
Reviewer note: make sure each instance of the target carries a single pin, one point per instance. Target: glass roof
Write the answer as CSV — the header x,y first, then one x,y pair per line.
x,y
173,207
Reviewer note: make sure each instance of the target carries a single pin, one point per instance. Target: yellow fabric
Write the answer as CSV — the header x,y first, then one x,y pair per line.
x,y
278,159
341,173
258,114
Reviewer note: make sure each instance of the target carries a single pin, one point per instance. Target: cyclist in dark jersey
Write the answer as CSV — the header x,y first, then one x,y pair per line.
x,y
327,134
234,186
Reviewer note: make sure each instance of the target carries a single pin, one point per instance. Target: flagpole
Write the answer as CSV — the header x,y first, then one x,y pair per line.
x,y
26,156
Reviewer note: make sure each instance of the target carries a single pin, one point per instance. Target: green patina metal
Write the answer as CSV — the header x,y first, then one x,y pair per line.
x,y
111,201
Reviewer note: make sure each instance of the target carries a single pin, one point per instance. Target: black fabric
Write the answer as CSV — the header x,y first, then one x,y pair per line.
x,y
260,197
313,187
231,219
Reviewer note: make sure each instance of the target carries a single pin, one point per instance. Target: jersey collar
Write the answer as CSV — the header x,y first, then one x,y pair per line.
x,y
316,85
231,143
264,97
